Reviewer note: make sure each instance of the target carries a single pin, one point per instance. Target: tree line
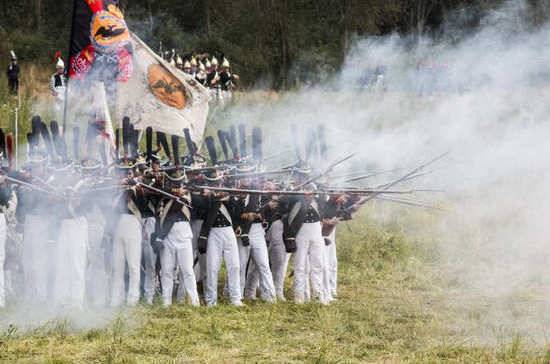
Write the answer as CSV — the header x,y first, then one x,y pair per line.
x,y
282,43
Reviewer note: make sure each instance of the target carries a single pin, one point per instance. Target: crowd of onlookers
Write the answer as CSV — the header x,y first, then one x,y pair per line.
x,y
209,71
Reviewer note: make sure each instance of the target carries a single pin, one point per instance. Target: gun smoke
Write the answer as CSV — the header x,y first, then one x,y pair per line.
x,y
400,101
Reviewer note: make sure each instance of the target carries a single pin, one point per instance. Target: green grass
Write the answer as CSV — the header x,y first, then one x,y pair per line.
x,y
391,309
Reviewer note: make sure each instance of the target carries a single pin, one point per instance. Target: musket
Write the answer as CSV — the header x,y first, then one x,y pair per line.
x,y
408,175
293,192
366,176
164,193
326,171
31,186
259,174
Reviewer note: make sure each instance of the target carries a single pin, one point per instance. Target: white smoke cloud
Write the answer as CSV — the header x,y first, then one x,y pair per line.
x,y
482,97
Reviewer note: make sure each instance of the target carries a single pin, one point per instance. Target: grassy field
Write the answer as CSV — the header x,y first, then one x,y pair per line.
x,y
391,309
396,304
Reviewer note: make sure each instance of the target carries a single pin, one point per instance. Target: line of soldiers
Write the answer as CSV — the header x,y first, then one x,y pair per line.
x,y
95,234
208,71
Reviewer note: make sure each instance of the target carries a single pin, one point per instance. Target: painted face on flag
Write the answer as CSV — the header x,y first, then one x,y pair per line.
x,y
108,30
166,87
100,40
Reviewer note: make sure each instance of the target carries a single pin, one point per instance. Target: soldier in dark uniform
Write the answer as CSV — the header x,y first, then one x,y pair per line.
x,y
149,207
218,241
253,245
174,235
227,78
303,236
127,241
278,257
13,74
201,74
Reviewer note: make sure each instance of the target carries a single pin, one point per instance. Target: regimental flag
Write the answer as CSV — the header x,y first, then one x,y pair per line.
x,y
100,47
161,96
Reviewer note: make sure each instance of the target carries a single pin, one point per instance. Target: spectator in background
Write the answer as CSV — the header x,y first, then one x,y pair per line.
x,y
13,74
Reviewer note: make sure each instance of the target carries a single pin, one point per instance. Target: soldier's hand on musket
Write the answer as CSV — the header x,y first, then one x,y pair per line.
x,y
179,191
221,196
249,216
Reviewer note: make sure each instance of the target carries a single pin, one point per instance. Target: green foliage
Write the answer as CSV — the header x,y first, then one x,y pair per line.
x,y
280,42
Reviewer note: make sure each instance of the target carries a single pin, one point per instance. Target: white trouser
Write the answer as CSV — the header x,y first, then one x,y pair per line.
x,y
96,273
70,260
309,243
150,260
36,256
200,267
331,271
199,260
222,243
3,233
177,252
126,249
278,257
256,252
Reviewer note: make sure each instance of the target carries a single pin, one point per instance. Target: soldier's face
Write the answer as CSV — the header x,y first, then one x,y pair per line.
x,y
166,87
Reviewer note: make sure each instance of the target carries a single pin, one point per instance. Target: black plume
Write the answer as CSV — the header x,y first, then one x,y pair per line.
x,y
162,142
176,149
117,142
242,140
133,135
135,142
257,147
149,143
210,145
223,142
30,141
126,135
36,125
191,147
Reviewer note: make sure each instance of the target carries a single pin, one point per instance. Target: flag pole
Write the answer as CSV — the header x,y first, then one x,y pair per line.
x,y
16,126
16,134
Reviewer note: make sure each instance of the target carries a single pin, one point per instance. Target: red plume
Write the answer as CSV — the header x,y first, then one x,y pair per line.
x,y
95,5
57,56
9,147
